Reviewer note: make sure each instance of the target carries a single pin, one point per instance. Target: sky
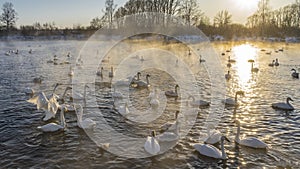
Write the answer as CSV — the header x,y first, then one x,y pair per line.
x,y
66,13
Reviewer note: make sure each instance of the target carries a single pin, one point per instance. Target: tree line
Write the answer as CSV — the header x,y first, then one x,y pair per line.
x,y
264,22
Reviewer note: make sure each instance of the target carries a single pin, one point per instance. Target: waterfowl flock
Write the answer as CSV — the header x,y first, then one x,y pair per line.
x,y
50,105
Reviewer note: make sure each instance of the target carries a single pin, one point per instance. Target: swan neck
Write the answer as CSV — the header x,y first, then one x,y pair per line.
x,y
147,79
235,98
62,118
237,137
224,155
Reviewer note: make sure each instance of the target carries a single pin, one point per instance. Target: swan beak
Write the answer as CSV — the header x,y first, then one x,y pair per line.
x,y
227,139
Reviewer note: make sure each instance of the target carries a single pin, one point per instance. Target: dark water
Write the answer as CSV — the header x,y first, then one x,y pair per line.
x,y
23,146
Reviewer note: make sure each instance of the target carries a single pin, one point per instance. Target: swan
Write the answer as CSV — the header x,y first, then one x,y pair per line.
x,y
228,64
253,69
142,84
50,106
171,125
69,55
249,142
154,102
136,78
272,64
198,103
284,106
269,53
214,136
123,82
172,93
52,127
111,73
228,75
276,62
62,99
231,60
87,123
223,54
151,145
280,50
117,95
100,72
295,74
71,72
169,136
229,50
212,151
123,110
231,102
30,51
201,60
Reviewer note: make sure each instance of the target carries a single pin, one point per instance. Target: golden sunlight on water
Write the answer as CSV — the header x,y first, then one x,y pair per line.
x,y
243,53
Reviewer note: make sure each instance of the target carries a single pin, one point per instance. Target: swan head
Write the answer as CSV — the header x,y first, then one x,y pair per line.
x,y
177,86
289,99
293,70
153,133
224,138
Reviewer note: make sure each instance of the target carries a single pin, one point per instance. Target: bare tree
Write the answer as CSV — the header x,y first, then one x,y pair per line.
x,y
9,15
222,19
109,11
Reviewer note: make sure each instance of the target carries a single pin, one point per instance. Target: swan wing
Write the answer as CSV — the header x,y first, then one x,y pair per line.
x,y
167,136
253,142
214,138
282,106
208,150
152,146
50,127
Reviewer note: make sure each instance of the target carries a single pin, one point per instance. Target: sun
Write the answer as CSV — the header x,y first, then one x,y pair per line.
x,y
246,4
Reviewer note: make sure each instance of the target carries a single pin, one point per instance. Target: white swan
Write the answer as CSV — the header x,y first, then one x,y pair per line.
x,y
169,136
295,74
228,75
87,123
172,93
272,64
211,151
154,102
52,127
198,103
151,145
249,142
284,106
233,102
50,106
123,110
213,136
111,73
100,72
171,126
253,69
142,84
276,62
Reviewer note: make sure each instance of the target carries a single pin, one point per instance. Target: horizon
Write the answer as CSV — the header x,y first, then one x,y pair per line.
x,y
80,12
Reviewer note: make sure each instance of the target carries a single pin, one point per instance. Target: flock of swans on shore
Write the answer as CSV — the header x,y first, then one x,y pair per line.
x,y
53,103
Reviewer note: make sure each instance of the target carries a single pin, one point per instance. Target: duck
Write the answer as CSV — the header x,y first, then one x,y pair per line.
x,y
171,93
211,151
276,62
111,73
142,84
233,102
171,126
272,64
53,127
295,74
151,145
87,123
284,106
100,72
213,136
231,60
249,142
228,75
198,103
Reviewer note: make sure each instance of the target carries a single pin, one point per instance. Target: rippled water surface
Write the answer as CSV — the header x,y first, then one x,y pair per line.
x,y
22,145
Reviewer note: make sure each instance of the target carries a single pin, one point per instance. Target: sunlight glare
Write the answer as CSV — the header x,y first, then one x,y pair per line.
x,y
246,4
242,54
